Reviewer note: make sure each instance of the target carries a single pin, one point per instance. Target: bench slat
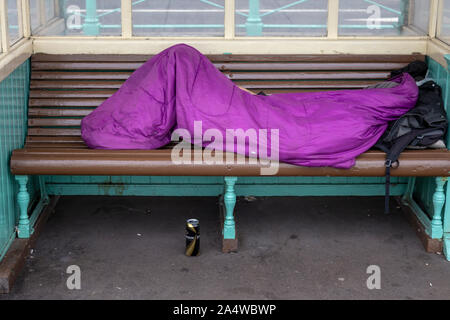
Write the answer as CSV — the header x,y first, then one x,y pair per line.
x,y
294,84
64,75
54,122
60,94
75,84
64,80
56,140
72,102
324,85
54,132
67,145
158,162
287,66
46,112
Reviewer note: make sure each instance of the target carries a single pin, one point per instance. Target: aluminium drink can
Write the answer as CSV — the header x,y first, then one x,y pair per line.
x,y
192,237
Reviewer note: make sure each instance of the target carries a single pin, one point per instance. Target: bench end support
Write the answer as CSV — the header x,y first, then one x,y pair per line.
x,y
438,204
24,229
229,225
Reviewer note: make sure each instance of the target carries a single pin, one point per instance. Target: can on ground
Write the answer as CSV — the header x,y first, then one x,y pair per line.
x,y
192,237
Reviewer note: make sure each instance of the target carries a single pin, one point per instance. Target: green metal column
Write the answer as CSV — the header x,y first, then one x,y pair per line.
x,y
91,26
229,198
24,229
254,25
438,204
13,120
446,213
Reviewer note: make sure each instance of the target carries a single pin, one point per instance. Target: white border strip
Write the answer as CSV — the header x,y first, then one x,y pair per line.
x,y
235,46
17,55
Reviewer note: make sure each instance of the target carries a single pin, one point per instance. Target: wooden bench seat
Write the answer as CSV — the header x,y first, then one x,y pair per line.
x,y
65,88
67,160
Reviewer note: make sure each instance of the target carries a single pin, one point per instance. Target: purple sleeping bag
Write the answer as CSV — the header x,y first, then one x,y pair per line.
x,y
180,86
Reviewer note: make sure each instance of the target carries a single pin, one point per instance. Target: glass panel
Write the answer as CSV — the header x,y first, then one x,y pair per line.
x,y
381,17
35,14
49,9
420,15
13,21
81,17
444,22
178,18
281,17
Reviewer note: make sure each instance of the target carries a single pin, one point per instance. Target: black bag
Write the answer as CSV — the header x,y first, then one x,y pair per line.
x,y
416,69
422,126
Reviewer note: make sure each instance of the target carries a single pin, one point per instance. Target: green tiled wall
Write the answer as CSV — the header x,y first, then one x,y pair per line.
x,y
13,118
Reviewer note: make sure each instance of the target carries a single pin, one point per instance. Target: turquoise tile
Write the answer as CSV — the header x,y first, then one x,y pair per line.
x,y
13,119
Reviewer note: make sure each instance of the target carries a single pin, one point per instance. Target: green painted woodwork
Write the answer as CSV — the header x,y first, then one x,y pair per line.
x,y
213,186
24,228
13,124
438,204
229,199
429,193
446,215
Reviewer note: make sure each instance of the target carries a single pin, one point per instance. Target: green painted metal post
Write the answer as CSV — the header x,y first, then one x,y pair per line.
x,y
229,231
438,203
254,25
24,229
91,26
446,213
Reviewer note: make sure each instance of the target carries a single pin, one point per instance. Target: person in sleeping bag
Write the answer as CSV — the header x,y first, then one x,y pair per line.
x,y
180,88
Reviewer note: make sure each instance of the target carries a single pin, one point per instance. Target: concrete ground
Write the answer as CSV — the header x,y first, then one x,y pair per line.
x,y
290,248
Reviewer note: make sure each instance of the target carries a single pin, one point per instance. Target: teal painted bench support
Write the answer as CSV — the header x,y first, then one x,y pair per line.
x,y
24,229
446,226
433,225
229,225
438,203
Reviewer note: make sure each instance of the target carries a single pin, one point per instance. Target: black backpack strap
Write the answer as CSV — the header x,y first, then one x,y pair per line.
x,y
387,187
392,158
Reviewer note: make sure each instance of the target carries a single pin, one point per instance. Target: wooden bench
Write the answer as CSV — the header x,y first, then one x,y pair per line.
x,y
65,88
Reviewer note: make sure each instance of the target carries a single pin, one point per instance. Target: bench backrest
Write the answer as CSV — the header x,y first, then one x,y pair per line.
x,y
65,88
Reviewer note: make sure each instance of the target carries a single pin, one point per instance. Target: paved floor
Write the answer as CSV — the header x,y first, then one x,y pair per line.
x,y
290,248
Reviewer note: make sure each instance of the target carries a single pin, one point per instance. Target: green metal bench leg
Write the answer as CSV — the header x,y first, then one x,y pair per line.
x,y
229,226
24,229
438,204
446,225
